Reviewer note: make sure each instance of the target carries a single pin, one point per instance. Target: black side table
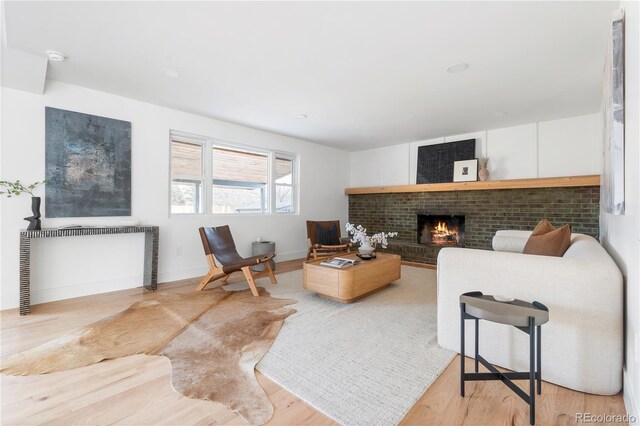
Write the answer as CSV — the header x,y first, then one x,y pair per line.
x,y
524,316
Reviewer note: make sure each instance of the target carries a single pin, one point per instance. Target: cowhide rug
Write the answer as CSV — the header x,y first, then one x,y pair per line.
x,y
213,339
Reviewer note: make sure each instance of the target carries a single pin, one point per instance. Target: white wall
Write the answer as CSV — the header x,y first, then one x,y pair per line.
x,y
513,152
75,266
621,234
564,147
577,141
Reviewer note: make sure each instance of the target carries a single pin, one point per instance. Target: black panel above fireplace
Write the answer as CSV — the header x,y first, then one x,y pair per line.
x,y
435,162
441,230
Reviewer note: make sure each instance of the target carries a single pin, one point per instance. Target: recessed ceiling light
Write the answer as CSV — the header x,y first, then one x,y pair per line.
x,y
301,116
454,69
499,114
171,73
55,56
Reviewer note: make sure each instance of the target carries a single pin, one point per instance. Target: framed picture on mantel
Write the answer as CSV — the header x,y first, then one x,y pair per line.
x,y
465,171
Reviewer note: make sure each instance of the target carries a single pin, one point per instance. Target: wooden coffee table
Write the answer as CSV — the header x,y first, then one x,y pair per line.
x,y
349,284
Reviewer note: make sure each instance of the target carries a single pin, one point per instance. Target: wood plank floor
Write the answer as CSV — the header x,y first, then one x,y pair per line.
x,y
136,390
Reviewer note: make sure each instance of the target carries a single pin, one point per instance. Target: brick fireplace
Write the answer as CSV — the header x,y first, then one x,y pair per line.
x,y
484,211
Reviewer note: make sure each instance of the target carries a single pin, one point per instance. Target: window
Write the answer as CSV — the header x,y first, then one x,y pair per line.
x,y
186,177
285,190
240,180
230,178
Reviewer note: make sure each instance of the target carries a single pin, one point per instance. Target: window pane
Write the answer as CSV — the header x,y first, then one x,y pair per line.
x,y
186,158
240,166
185,196
284,170
239,199
284,199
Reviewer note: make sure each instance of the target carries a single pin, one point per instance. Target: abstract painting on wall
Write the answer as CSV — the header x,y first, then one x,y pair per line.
x,y
88,165
613,114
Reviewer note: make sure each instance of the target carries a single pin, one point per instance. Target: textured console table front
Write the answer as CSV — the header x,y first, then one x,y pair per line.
x,y
151,236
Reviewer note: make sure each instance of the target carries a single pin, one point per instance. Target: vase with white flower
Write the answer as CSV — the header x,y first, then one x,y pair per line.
x,y
368,243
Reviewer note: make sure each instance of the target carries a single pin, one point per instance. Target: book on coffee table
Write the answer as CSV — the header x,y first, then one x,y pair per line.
x,y
339,262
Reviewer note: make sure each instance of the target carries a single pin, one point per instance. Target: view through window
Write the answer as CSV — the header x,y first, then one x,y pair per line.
x,y
186,177
285,195
231,180
240,181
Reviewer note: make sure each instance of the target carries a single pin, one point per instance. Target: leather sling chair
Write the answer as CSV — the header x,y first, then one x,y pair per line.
x,y
323,239
218,245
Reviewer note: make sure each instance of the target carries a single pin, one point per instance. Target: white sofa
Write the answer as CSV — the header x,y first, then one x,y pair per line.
x,y
582,344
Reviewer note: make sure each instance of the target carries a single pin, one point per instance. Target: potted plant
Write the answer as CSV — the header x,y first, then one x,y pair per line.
x,y
17,188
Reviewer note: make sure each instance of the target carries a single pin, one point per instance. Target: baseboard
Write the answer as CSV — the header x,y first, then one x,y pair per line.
x,y
630,401
11,300
182,274
200,271
419,264
291,255
84,289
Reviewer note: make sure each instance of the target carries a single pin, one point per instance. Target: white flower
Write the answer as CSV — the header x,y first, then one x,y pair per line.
x,y
359,235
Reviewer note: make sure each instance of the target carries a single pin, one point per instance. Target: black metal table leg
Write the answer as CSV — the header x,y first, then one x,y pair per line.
x,y
477,321
538,357
462,310
532,371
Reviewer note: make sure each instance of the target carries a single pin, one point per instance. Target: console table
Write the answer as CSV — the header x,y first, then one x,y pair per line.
x,y
151,236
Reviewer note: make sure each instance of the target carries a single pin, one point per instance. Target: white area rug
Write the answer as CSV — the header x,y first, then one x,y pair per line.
x,y
365,363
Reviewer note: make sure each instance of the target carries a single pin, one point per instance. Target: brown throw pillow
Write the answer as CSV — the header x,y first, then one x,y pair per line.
x,y
543,227
546,240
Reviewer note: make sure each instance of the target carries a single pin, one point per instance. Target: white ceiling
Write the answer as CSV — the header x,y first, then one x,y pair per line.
x,y
366,73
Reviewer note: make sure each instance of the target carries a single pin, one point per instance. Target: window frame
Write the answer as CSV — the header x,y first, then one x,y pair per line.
x,y
207,145
177,137
294,181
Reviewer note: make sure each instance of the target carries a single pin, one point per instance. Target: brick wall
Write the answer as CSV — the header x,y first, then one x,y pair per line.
x,y
485,211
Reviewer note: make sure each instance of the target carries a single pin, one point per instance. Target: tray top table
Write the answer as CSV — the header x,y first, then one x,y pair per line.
x,y
525,316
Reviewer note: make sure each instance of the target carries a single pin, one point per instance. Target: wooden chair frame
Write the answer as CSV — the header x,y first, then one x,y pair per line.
x,y
216,273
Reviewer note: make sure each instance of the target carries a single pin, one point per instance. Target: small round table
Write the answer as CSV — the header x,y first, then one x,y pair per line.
x,y
525,316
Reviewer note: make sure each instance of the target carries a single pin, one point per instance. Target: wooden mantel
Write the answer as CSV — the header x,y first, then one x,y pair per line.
x,y
554,182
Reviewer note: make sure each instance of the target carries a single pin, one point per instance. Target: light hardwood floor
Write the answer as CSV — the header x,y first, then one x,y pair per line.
x,y
136,390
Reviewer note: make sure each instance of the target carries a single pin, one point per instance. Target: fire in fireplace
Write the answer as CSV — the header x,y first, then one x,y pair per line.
x,y
441,230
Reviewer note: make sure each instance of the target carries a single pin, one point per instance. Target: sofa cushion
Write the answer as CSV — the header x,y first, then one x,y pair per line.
x,y
546,240
510,244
